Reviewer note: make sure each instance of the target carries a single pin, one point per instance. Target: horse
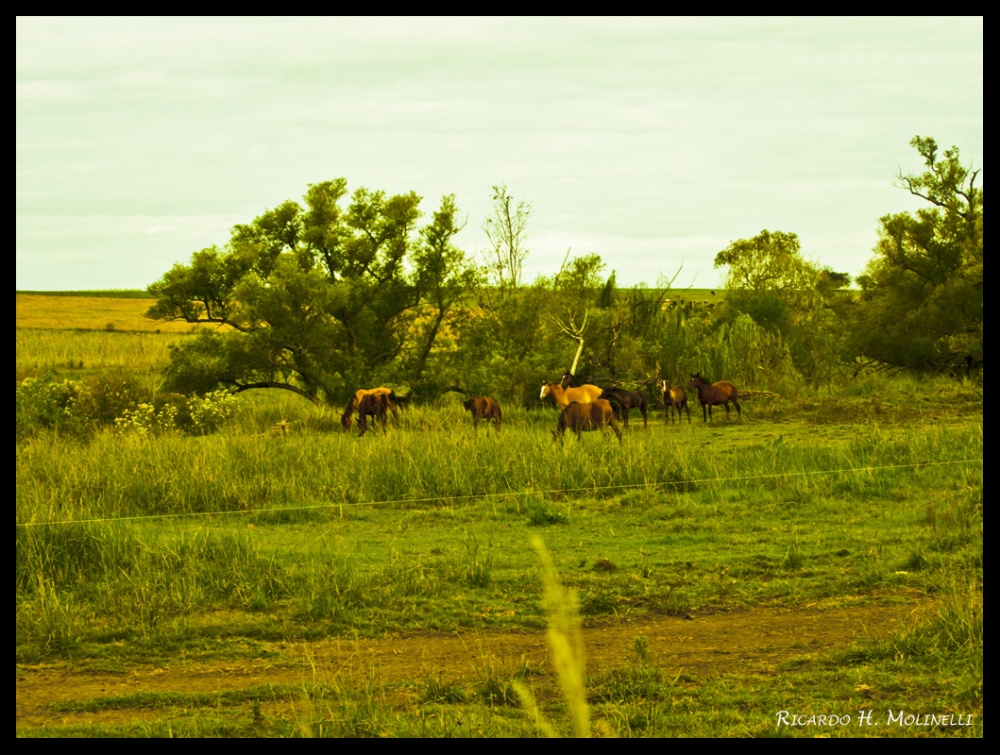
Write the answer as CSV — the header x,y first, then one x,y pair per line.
x,y
486,408
713,394
597,414
628,400
375,405
565,396
355,400
569,380
676,398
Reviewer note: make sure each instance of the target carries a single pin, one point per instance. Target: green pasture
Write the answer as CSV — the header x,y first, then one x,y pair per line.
x,y
143,549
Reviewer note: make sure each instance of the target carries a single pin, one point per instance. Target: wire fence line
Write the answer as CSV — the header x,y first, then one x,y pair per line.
x,y
528,491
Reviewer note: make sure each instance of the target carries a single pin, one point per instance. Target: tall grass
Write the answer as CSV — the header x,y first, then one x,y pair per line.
x,y
426,526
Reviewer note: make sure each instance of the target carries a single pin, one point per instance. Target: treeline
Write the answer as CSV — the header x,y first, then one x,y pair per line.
x,y
338,292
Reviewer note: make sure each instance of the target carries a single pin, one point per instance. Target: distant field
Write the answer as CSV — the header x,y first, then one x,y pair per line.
x,y
125,309
111,293
90,311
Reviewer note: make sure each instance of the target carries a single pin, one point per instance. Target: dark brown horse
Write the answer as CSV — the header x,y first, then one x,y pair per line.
x,y
625,400
486,408
376,406
577,417
675,398
354,402
713,394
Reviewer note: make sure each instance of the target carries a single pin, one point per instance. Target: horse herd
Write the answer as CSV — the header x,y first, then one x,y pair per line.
x,y
584,406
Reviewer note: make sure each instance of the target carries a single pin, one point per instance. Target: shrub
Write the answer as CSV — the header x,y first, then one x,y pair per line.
x,y
44,402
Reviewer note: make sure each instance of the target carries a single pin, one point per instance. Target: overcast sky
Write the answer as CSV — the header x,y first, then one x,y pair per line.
x,y
654,142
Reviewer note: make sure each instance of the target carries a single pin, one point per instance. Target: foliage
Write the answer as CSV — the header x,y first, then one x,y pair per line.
x,y
922,294
792,299
196,415
317,298
43,402
80,406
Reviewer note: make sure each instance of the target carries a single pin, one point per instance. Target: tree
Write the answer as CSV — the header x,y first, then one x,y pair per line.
x,y
576,290
506,230
922,294
444,278
318,299
768,277
787,295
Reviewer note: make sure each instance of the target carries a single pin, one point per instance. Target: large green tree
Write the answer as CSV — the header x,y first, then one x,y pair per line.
x,y
318,298
788,296
922,294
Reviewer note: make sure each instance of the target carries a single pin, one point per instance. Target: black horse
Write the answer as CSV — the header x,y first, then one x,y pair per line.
x,y
569,380
623,400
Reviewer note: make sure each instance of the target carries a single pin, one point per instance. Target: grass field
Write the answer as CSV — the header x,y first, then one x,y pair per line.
x,y
90,311
821,557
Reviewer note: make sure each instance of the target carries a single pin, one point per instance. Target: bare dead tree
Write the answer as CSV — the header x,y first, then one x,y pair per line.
x,y
506,230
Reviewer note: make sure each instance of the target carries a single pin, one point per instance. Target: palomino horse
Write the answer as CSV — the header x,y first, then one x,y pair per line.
x,y
565,396
355,401
713,394
376,406
486,408
628,400
594,415
676,398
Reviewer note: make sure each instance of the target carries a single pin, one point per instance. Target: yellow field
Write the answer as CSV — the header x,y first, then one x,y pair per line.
x,y
90,313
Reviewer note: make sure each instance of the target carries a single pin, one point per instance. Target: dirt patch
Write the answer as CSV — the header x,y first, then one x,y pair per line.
x,y
757,641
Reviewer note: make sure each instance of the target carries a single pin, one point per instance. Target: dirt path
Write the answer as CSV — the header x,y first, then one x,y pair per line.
x,y
755,640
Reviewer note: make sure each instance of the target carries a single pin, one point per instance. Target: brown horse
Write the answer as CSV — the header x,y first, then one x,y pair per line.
x,y
713,394
628,400
355,401
675,398
376,406
595,415
565,396
484,408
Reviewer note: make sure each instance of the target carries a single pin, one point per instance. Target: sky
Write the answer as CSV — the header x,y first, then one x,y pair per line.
x,y
653,142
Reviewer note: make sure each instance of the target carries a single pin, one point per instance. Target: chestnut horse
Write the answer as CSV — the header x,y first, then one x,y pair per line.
x,y
376,406
565,396
628,400
355,401
486,408
713,394
676,398
594,415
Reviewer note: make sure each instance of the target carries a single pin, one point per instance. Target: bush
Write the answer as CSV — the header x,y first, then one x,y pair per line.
x,y
44,402
195,415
